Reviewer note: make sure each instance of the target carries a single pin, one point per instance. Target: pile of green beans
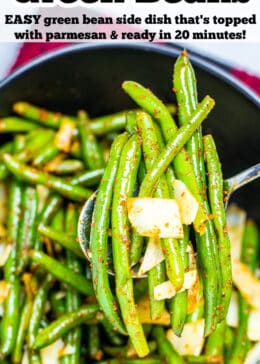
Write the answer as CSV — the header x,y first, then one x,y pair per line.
x,y
50,165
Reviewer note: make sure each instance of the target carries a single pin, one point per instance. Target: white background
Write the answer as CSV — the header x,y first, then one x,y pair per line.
x,y
245,54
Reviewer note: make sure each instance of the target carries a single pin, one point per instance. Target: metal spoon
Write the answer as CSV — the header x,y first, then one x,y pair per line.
x,y
230,185
241,179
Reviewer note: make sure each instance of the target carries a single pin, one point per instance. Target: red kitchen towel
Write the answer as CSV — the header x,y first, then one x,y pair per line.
x,y
32,50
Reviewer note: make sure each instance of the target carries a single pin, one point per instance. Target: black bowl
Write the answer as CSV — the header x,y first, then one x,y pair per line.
x,y
89,76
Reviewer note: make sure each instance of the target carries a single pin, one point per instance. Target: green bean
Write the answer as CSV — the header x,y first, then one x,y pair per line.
x,y
105,124
132,361
99,236
112,336
34,176
169,173
116,352
13,124
66,167
131,125
73,299
19,142
61,272
52,203
137,240
57,224
208,258
58,303
215,341
182,165
9,328
27,231
126,178
215,189
229,338
124,351
196,314
7,147
63,325
67,241
38,309
50,208
37,137
22,331
249,255
34,357
208,272
151,151
140,288
156,276
136,248
44,155
3,171
91,152
193,359
184,83
141,171
11,316
41,116
250,246
33,145
166,350
88,178
178,304
95,351
173,147
185,87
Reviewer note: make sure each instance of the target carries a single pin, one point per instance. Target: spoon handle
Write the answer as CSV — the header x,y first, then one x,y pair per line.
x,y
248,175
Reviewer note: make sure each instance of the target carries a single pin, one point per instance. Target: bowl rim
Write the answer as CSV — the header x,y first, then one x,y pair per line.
x,y
167,49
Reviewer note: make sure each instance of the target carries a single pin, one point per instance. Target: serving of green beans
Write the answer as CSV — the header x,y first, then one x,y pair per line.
x,y
93,305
